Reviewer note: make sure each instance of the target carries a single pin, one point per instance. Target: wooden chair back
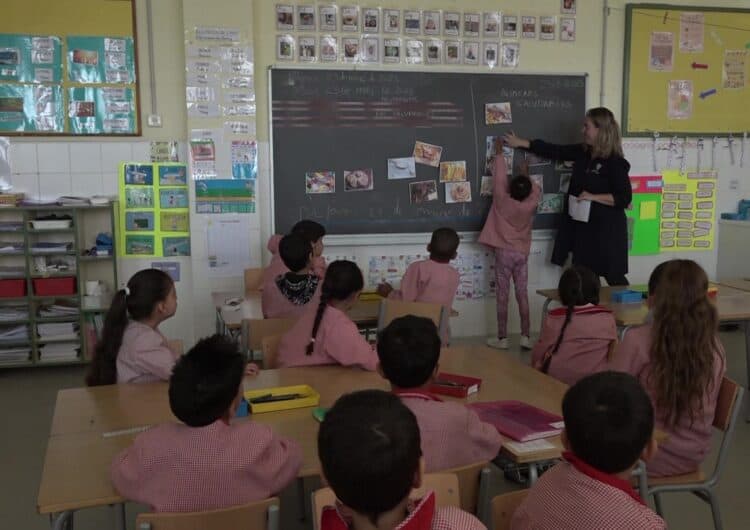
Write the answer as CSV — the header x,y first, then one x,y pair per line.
x,y
270,348
725,404
259,515
392,309
503,508
468,482
256,329
253,280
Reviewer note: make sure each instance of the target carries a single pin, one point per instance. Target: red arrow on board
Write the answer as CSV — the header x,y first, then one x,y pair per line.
x,y
699,65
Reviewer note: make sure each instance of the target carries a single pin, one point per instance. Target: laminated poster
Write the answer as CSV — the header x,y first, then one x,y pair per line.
x,y
101,110
735,68
96,60
691,32
31,108
661,51
680,100
244,159
688,210
225,196
30,58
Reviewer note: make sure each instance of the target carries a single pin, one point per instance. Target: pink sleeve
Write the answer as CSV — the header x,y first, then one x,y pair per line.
x,y
280,462
319,267
409,284
153,356
484,438
500,174
629,357
128,473
350,348
545,342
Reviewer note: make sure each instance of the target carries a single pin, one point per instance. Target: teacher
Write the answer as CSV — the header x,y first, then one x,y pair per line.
x,y
600,175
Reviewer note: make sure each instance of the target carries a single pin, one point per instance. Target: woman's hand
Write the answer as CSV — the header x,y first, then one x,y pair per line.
x,y
252,369
514,141
384,289
585,196
607,199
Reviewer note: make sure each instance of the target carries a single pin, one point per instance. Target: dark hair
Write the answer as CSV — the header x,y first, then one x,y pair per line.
x,y
520,187
205,381
609,419
369,449
409,349
146,289
443,244
295,251
310,230
343,278
653,280
578,286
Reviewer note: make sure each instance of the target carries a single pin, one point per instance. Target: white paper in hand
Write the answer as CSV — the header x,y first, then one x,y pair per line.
x,y
579,209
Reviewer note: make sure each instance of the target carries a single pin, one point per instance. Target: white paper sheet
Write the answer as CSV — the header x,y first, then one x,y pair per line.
x,y
579,209
227,239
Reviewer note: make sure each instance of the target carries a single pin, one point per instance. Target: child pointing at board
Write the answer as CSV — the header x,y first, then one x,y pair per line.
x,y
508,231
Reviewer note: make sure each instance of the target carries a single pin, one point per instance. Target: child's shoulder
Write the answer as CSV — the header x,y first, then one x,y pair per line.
x,y
453,518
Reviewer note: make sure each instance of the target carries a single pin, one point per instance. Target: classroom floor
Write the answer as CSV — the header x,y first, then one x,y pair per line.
x,y
27,399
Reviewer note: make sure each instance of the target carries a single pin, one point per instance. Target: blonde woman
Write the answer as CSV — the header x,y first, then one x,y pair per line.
x,y
600,175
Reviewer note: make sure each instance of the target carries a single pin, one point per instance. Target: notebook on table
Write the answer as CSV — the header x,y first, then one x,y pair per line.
x,y
519,420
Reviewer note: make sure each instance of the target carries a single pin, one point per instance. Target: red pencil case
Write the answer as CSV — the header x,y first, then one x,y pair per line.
x,y
455,385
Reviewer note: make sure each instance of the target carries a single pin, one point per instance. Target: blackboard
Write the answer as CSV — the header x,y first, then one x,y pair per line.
x,y
338,120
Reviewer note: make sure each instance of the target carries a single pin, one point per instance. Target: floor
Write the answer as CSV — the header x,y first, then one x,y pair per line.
x,y
27,399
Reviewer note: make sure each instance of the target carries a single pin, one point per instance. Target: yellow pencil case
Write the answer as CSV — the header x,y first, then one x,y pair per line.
x,y
308,397
367,296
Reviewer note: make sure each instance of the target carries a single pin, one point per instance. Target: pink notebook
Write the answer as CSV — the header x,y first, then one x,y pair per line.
x,y
518,420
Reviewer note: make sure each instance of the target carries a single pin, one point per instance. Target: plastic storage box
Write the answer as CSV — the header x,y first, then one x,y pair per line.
x,y
308,397
627,297
13,287
54,286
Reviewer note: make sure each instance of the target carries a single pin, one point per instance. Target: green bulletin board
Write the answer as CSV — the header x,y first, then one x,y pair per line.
x,y
644,215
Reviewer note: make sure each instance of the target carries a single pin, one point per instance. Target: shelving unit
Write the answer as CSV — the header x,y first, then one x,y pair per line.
x,y
87,222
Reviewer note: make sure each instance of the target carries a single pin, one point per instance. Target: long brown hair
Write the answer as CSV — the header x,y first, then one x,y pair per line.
x,y
684,337
608,141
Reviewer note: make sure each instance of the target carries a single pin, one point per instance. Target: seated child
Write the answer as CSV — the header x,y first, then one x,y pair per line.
x,y
452,435
609,424
205,463
310,230
286,296
680,361
653,282
132,349
368,447
325,334
578,339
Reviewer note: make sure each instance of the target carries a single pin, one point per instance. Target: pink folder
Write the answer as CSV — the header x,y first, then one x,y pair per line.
x,y
518,420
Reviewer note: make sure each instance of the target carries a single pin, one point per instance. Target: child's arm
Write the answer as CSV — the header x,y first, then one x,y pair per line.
x,y
278,462
349,348
499,171
544,344
128,473
153,356
409,290
319,267
483,437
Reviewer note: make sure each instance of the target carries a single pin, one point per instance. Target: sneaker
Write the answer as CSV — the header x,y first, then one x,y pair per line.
x,y
498,344
525,343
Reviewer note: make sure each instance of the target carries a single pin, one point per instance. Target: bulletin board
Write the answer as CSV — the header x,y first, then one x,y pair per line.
x,y
68,67
686,70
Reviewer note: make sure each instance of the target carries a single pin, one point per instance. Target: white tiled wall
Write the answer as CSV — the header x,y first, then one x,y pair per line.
x,y
47,170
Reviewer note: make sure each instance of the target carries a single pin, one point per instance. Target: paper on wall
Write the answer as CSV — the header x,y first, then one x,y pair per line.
x,y
691,32
227,255
661,51
734,71
680,100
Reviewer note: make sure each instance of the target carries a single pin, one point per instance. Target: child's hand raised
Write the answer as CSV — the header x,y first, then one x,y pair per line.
x,y
523,167
384,289
252,369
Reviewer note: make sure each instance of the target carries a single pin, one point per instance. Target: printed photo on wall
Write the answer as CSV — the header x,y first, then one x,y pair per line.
x,y
358,180
412,22
661,51
401,168
328,18
175,246
510,27
528,27
547,28
329,48
391,50
427,154
139,198
139,221
495,113
508,153
457,192
486,188
551,203
351,49
452,51
172,175
471,24
511,53
174,222
451,24
371,17
490,53
471,52
306,18
350,18
567,29
307,49
139,175
392,21
284,17
173,198
565,182
539,179
284,47
423,191
568,7
139,245
414,51
320,182
431,22
491,25
454,171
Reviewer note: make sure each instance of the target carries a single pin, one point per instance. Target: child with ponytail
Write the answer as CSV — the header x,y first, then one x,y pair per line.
x,y
578,339
324,334
679,360
132,350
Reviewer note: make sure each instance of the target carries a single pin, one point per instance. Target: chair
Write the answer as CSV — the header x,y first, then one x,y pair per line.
x,y
177,346
473,483
504,506
259,515
255,329
728,407
392,309
270,348
253,280
445,486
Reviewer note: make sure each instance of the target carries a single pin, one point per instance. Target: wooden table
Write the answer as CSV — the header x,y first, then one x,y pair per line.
x,y
84,441
742,284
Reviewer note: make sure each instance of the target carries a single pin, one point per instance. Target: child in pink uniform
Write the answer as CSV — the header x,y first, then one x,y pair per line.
x,y
369,450
508,231
452,435
310,230
609,425
132,350
205,462
287,295
680,361
578,339
325,334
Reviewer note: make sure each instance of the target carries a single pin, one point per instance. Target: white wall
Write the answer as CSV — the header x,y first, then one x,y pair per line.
x,y
49,168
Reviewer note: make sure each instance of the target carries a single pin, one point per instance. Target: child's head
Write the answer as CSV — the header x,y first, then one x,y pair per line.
x,y
653,281
409,349
520,187
313,232
443,244
369,449
342,283
295,251
206,382
149,296
609,421
578,286
683,339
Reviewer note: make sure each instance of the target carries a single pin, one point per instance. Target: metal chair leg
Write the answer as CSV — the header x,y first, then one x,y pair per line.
x,y
713,500
657,504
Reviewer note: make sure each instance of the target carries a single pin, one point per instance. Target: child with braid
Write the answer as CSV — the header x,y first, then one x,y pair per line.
x,y
576,340
325,334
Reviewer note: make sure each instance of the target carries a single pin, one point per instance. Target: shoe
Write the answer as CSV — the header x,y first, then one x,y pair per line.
x,y
498,344
525,343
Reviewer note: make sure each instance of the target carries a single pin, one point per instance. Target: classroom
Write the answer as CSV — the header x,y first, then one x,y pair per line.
x,y
188,137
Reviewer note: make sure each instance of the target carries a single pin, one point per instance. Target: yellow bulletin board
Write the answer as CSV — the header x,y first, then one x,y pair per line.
x,y
686,70
71,25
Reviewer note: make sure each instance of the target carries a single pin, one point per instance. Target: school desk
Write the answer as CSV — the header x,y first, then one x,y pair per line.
x,y
742,284
91,425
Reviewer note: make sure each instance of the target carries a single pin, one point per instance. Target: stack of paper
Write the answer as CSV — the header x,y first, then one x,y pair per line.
x,y
51,247
8,313
64,351
14,334
11,225
70,200
10,247
12,272
58,331
8,355
57,310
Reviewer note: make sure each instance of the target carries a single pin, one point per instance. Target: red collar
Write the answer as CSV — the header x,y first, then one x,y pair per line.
x,y
605,478
416,393
580,310
419,518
